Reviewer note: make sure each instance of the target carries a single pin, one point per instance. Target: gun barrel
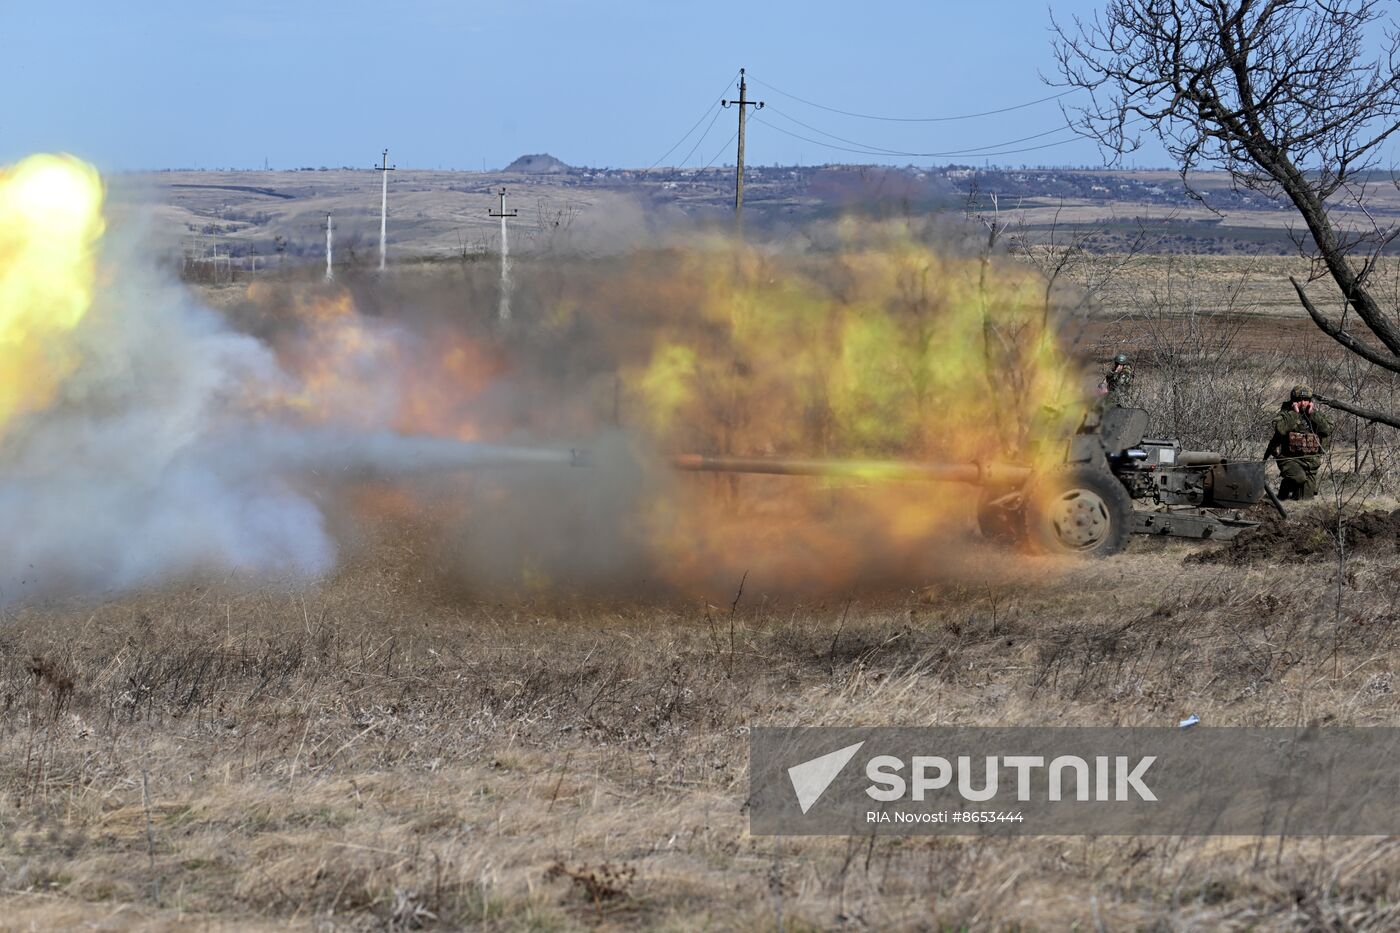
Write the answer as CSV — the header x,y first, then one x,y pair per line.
x,y
976,474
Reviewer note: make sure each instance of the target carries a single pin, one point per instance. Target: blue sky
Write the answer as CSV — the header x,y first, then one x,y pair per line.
x,y
157,84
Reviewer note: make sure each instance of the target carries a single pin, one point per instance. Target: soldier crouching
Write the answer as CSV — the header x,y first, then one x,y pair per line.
x,y
1301,435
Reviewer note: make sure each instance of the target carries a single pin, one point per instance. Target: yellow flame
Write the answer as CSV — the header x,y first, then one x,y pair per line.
x,y
50,223
885,348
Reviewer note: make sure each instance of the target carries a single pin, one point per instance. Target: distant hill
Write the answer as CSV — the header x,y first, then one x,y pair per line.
x,y
542,164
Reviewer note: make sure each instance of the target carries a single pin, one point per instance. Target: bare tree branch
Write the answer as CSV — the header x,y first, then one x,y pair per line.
x,y
1341,336
1369,414
1290,97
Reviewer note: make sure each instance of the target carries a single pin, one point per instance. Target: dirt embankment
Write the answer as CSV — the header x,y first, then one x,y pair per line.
x,y
1309,536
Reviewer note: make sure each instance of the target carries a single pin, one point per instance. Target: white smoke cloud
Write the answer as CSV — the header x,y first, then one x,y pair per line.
x,y
130,476
166,454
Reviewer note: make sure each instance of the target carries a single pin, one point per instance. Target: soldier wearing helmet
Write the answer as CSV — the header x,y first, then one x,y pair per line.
x,y
1301,435
1118,381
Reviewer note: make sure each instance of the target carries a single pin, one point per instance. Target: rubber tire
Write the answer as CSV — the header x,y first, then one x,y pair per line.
x,y
1000,525
1085,494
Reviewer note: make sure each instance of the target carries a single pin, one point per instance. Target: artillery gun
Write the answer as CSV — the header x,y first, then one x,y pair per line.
x,y
1086,505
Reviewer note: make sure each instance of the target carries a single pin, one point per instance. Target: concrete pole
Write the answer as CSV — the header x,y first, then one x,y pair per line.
x,y
330,271
383,219
386,168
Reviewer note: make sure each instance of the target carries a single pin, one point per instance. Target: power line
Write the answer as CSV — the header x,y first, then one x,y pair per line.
x,y
678,142
862,148
956,152
961,116
880,150
703,136
722,150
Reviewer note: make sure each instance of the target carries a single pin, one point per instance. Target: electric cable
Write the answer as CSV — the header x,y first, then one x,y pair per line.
x,y
703,136
949,153
722,150
946,119
678,142
881,150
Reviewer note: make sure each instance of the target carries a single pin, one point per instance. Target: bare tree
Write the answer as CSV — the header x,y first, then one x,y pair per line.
x,y
1294,98
552,222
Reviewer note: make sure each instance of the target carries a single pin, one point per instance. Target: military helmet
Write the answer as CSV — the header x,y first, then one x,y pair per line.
x,y
1121,360
1301,393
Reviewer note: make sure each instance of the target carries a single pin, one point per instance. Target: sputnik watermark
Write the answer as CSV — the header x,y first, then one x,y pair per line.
x,y
1115,778
828,781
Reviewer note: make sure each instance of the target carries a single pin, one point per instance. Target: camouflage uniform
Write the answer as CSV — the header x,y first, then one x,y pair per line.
x,y
1118,382
1300,439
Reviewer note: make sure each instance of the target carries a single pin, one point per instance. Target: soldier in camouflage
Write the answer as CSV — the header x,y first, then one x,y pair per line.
x,y
1301,435
1118,382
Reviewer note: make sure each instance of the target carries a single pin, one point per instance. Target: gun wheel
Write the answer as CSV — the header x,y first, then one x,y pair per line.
x,y
1081,510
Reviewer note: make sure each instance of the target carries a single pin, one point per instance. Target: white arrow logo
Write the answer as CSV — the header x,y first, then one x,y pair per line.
x,y
811,778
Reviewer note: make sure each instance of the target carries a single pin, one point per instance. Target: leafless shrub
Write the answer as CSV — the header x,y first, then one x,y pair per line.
x,y
1194,375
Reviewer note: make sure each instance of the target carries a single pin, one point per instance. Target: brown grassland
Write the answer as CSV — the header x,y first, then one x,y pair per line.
x,y
378,751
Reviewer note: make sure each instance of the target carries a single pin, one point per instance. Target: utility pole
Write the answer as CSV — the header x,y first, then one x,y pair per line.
x,y
385,168
330,271
743,103
503,311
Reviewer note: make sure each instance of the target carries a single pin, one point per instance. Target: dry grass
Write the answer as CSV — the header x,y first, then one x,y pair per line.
x,y
370,754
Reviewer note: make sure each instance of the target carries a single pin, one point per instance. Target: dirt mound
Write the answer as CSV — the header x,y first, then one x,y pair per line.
x,y
540,164
1308,536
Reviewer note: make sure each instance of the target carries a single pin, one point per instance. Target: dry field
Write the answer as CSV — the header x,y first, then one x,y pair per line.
x,y
378,752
